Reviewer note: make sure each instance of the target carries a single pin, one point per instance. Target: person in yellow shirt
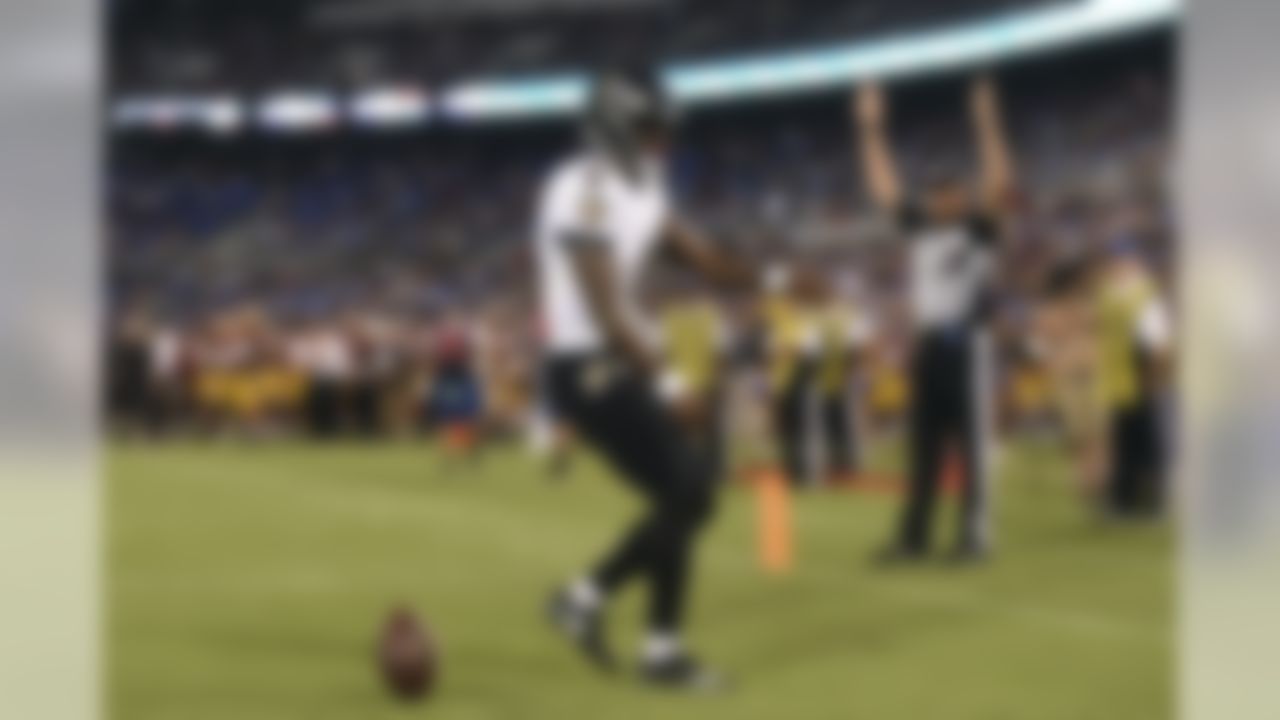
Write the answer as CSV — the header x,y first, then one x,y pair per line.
x,y
843,334
887,388
694,341
791,353
1135,340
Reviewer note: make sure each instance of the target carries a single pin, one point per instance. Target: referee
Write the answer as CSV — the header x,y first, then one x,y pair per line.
x,y
952,240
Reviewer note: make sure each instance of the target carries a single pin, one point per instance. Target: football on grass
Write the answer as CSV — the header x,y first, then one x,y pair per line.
x,y
407,656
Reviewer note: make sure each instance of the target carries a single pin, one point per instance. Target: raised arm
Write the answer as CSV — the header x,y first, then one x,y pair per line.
x,y
995,158
879,169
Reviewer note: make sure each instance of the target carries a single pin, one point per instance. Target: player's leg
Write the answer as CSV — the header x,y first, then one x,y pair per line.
x,y
927,431
1125,464
785,427
974,388
577,610
799,425
656,456
645,443
1150,453
838,431
681,507
648,448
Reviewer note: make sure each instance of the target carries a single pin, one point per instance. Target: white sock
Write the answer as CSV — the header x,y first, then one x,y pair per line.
x,y
660,646
584,593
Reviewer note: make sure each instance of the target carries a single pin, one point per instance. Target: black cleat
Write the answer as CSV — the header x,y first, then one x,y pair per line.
x,y
682,673
584,627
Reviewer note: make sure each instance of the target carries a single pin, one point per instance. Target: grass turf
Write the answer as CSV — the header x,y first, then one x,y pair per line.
x,y
249,582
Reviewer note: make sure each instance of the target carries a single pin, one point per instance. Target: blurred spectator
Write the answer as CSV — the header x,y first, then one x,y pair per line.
x,y
375,265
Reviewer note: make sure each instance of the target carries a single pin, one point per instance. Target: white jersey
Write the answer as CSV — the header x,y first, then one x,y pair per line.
x,y
588,199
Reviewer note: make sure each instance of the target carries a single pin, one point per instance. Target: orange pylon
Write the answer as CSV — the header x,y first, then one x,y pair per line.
x,y
774,529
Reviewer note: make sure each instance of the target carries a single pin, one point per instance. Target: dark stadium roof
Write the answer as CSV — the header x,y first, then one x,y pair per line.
x,y
166,45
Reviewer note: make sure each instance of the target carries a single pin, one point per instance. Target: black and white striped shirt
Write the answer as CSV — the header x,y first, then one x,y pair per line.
x,y
951,269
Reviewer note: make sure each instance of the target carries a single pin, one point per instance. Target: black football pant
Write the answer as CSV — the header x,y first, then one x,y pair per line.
x,y
791,425
324,408
1136,484
620,415
837,428
948,413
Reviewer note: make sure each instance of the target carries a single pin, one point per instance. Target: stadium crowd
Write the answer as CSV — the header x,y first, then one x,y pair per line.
x,y
371,285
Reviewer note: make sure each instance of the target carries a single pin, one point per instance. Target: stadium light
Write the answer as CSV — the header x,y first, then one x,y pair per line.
x,y
526,99
298,112
1007,36
1004,37
390,107
218,114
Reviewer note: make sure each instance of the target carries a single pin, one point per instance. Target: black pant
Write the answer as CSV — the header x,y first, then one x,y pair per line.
x,y
837,428
619,414
324,408
1136,483
366,407
791,420
946,412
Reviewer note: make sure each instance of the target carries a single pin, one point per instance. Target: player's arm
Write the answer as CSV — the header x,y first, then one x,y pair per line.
x,y
732,271
596,278
994,155
878,166
721,268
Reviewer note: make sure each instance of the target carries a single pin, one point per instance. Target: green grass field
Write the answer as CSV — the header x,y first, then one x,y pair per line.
x,y
249,582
